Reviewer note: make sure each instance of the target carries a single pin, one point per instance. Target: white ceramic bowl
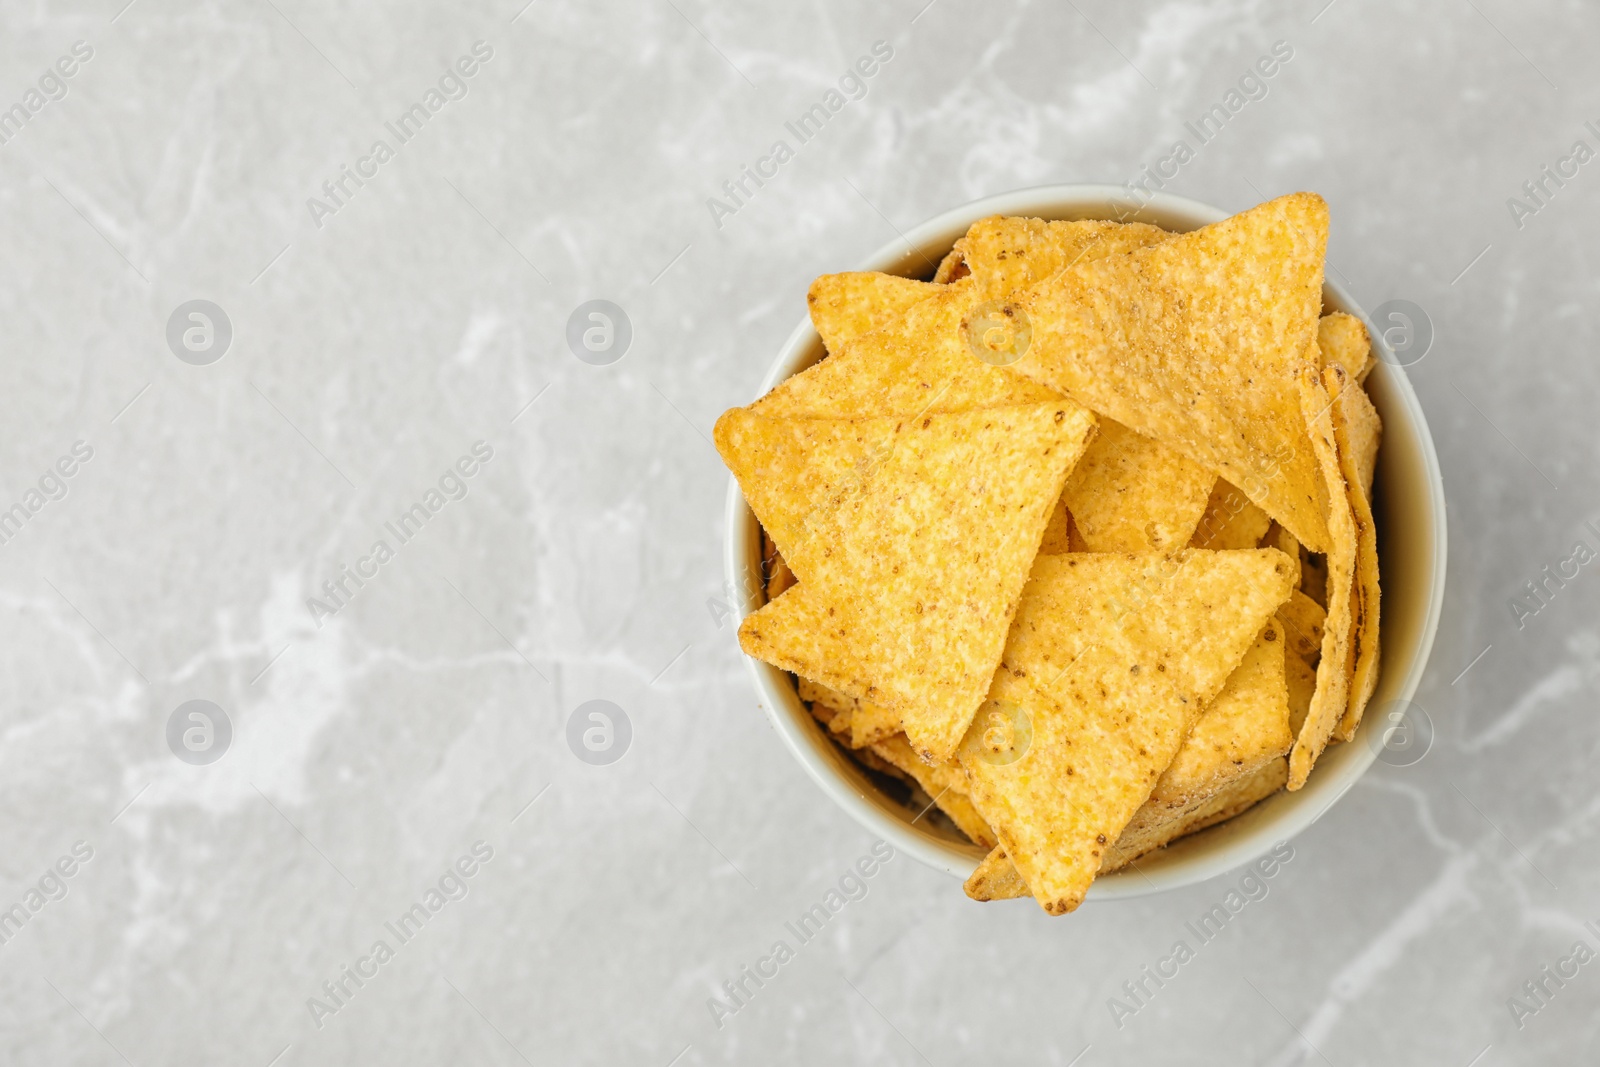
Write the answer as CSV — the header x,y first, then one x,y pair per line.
x,y
1410,516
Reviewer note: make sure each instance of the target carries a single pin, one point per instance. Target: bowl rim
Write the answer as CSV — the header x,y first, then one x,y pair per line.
x,y
1196,857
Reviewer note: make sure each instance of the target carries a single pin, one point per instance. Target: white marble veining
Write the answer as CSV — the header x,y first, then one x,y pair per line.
x,y
377,338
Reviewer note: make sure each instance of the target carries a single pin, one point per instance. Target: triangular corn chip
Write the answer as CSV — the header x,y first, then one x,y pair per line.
x,y
1243,731
792,472
996,878
944,782
845,306
1001,255
920,362
951,268
1007,254
864,722
1303,620
1198,342
1130,494
1355,431
1230,521
1336,665
1343,339
1302,679
907,589
1239,794
1058,531
900,370
1106,670
1284,541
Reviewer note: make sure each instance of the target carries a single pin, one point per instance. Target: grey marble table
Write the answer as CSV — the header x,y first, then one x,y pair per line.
x,y
390,214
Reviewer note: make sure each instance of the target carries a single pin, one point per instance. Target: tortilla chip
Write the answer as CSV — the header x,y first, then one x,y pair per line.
x,y
1129,494
1343,339
782,577
908,587
952,268
1302,680
1353,418
898,370
1334,669
1058,531
944,782
1110,662
1230,521
793,471
1303,620
1231,759
860,721
845,306
1198,342
1240,731
1245,792
1000,254
1364,428
996,878
1284,541
920,362
1008,254
1240,797
874,762
823,713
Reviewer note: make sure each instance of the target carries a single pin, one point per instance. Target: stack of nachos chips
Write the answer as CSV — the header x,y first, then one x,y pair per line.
x,y
1076,538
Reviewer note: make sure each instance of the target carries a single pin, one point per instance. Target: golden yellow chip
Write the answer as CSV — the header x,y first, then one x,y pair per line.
x,y
1284,541
908,587
1230,521
1329,702
861,721
996,878
921,362
845,306
781,579
1198,342
1302,680
1303,620
951,268
1110,662
1231,759
900,370
944,782
1363,427
1342,339
1355,424
872,761
1240,731
1000,254
829,706
1129,494
1142,837
823,714
1058,531
793,471
1007,254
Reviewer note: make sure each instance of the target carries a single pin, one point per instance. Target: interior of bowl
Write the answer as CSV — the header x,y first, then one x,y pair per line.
x,y
1408,511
